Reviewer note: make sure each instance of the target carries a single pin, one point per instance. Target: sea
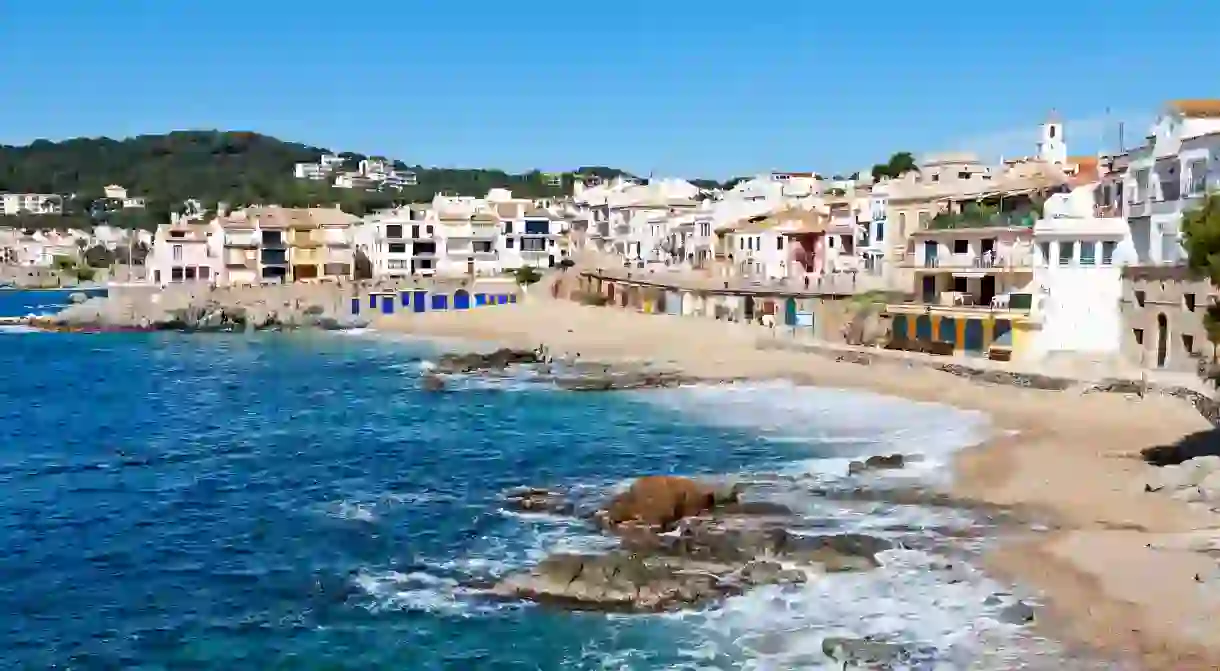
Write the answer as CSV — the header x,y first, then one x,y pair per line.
x,y
295,501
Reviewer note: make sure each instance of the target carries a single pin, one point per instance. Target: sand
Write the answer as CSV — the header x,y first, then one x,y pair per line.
x,y
1117,572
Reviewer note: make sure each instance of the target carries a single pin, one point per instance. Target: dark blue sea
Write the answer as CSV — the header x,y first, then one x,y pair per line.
x,y
18,303
296,502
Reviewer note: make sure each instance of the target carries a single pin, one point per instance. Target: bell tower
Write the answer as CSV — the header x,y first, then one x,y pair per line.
x,y
1052,146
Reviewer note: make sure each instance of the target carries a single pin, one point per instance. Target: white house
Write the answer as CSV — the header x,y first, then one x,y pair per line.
x,y
1171,173
400,242
186,250
114,191
12,204
1077,283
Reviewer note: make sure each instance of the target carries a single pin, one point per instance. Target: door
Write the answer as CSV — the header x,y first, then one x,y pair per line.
x,y
421,301
923,327
973,336
790,312
470,267
480,299
461,300
355,306
1162,340
986,289
406,299
899,327
749,308
929,253
928,289
387,304
550,261
946,331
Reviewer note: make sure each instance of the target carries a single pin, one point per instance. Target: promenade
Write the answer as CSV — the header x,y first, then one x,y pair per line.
x,y
836,284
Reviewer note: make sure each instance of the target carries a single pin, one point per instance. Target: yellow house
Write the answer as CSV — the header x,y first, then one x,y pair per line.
x,y
304,245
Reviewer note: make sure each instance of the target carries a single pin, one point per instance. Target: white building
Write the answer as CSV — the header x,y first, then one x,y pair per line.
x,y
1170,173
187,250
13,204
114,191
319,171
1077,276
400,242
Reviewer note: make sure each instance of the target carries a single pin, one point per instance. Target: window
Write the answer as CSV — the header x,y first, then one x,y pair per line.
x,y
1107,252
880,231
1139,299
427,230
415,231
831,241
923,220
204,271
1044,249
177,252
393,231
1188,343
741,243
398,248
482,246
1088,253
508,227
508,243
537,245
175,274
156,276
935,177
1190,302
779,242
1067,251
177,234
1139,336
961,246
190,272
902,223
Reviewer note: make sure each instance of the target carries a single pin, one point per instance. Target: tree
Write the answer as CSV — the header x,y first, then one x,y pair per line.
x,y
98,256
362,267
1201,240
527,275
899,164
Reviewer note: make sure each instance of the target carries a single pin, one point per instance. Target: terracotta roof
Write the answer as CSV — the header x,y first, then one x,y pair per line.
x,y
1197,108
1086,170
507,210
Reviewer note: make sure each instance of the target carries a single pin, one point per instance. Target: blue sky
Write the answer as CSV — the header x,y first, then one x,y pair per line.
x,y
678,87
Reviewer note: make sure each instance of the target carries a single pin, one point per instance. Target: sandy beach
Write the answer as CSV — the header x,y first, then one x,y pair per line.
x,y
1118,569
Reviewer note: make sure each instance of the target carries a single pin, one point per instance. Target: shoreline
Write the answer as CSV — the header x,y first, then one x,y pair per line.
x,y
1069,460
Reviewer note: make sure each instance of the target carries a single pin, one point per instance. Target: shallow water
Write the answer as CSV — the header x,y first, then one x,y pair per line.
x,y
294,502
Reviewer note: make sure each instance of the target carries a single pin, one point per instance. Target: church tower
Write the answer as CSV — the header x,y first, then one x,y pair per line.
x,y
1052,147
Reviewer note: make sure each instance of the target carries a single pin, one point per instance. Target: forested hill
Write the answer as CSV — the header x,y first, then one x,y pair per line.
x,y
213,166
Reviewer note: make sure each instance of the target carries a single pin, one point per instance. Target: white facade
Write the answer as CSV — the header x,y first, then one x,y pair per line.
x,y
400,243
1172,172
12,204
1077,277
115,191
187,251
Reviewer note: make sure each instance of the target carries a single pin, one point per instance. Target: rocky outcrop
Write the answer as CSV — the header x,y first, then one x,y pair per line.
x,y
470,362
877,463
622,381
658,502
199,316
431,382
682,543
1195,480
869,653
536,500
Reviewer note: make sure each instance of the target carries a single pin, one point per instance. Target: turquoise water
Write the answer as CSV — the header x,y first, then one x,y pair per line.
x,y
40,302
294,502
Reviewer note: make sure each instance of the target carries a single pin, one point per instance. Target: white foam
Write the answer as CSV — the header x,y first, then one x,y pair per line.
x,y
841,425
417,591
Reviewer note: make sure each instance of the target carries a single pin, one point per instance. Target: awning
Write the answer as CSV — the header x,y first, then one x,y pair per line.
x,y
969,273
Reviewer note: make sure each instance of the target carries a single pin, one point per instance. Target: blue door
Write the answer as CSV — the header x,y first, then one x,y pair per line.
x,y
512,298
387,304
790,312
947,330
440,302
501,299
899,327
973,336
355,306
406,299
372,300
923,327
480,299
461,300
421,301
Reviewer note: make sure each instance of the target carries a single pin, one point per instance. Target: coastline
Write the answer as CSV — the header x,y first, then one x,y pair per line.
x,y
1059,454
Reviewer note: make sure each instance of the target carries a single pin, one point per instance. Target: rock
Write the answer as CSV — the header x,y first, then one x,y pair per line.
x,y
612,582
877,463
1017,613
536,500
621,380
77,297
755,509
659,501
431,382
839,553
498,360
1210,487
864,652
764,572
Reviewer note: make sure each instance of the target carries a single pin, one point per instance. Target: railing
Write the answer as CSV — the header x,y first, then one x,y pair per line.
x,y
1016,258
948,220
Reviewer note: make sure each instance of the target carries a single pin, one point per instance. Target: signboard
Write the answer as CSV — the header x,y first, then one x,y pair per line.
x,y
804,319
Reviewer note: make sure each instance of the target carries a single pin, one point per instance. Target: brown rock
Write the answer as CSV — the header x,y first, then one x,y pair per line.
x,y
659,501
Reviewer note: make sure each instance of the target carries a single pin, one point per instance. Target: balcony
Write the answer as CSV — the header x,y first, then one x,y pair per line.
x,y
982,218
1002,305
1010,260
274,257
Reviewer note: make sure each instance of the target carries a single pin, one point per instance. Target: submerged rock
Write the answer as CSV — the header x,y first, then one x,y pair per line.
x,y
877,463
865,652
500,359
1018,613
536,500
431,382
